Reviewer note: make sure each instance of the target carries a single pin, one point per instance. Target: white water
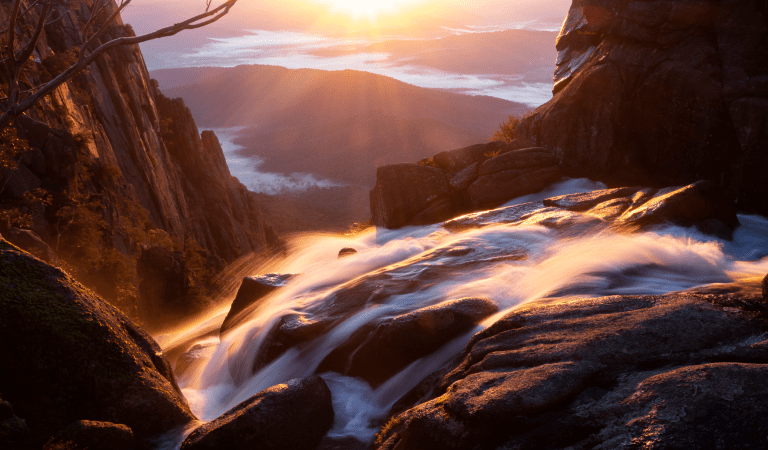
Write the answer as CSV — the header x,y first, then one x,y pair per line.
x,y
510,264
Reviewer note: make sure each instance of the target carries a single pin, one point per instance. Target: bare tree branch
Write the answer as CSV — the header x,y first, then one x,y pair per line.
x,y
14,107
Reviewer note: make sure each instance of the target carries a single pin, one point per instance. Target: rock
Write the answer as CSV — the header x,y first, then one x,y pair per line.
x,y
18,181
29,241
496,188
342,443
588,374
14,432
638,102
251,291
688,205
89,435
106,368
380,349
192,357
765,288
291,416
528,158
456,160
465,177
347,251
404,190
588,200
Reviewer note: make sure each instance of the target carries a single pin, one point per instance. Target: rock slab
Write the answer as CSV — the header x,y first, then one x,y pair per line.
x,y
291,416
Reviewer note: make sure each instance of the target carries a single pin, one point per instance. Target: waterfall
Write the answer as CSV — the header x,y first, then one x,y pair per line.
x,y
399,271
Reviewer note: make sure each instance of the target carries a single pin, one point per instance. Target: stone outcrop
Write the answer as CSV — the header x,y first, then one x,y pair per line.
x,y
68,355
683,370
660,93
458,181
379,350
251,291
110,145
702,205
294,415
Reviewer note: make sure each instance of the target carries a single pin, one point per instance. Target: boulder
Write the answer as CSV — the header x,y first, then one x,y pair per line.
x,y
380,349
17,181
251,291
495,188
529,158
465,177
67,354
454,161
294,415
588,200
404,190
90,435
637,100
30,241
687,206
589,374
346,251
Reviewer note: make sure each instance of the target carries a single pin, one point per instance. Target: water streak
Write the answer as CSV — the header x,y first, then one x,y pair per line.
x,y
398,271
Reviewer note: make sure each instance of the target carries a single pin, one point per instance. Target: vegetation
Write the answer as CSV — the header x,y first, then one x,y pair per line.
x,y
506,131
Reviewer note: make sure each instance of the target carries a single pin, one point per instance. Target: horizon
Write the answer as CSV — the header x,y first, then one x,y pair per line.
x,y
325,35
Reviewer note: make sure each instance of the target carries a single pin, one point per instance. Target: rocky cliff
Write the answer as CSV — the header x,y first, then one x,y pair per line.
x,y
659,92
122,166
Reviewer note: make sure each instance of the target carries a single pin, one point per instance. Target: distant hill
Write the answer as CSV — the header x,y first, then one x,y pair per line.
x,y
336,124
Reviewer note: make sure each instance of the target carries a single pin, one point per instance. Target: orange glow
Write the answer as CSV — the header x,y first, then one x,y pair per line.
x,y
369,8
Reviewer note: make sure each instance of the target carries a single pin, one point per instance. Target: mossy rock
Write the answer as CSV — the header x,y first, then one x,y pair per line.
x,y
70,355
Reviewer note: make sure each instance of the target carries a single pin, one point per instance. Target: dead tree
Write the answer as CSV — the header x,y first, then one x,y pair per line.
x,y
15,53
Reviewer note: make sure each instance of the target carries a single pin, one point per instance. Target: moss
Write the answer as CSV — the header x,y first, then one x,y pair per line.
x,y
44,299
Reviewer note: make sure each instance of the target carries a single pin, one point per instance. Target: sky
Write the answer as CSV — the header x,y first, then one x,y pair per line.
x,y
401,40
327,34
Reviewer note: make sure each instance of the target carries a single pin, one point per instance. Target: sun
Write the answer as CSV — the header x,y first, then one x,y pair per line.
x,y
370,8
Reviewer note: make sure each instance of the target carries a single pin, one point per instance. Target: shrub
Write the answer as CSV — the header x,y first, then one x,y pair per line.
x,y
506,131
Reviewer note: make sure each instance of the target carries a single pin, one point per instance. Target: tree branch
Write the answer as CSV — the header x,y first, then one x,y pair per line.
x,y
15,107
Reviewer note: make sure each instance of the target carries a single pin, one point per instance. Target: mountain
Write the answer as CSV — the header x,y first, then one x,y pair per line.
x,y
337,124
122,168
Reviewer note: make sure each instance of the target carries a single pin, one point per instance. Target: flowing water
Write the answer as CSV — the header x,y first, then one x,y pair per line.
x,y
395,272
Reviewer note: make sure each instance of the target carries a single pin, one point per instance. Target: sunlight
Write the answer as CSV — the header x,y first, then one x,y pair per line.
x,y
369,8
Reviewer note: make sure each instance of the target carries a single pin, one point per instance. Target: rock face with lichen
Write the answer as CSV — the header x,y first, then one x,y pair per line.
x,y
660,93
68,355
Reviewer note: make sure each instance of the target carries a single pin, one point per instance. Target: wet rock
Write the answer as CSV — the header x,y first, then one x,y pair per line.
x,y
347,251
106,368
404,190
589,200
589,374
380,349
291,416
688,205
191,357
29,241
252,290
289,331
90,435
499,187
342,443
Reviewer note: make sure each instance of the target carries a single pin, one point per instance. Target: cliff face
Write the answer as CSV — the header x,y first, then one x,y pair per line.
x,y
113,151
661,92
